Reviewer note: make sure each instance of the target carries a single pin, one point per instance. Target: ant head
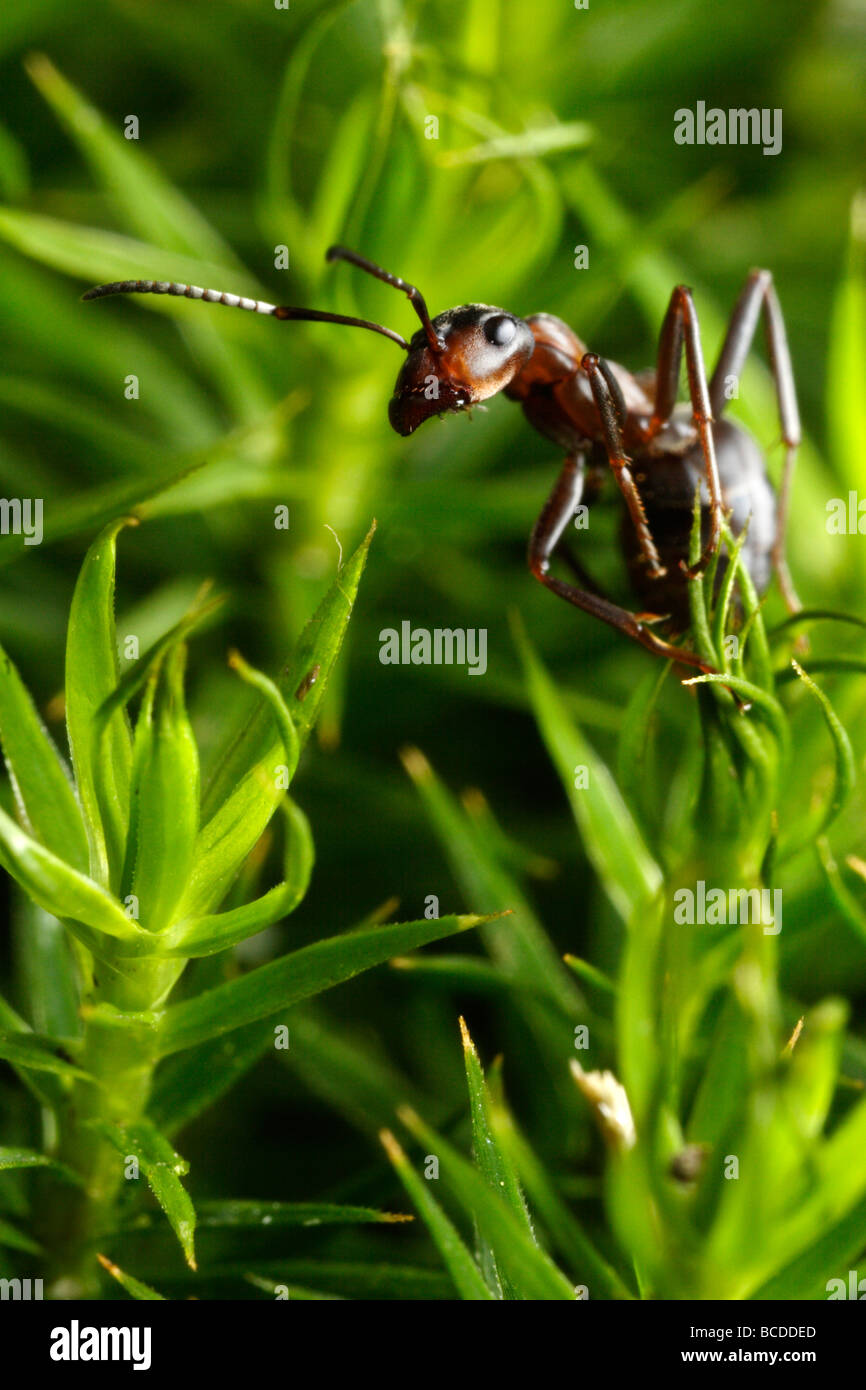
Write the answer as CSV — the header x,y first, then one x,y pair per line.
x,y
455,360
466,356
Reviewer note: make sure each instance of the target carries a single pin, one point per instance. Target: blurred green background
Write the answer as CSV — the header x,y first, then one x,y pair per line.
x,y
261,127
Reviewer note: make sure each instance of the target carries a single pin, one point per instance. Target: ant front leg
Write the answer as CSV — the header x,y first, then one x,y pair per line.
x,y
680,328
758,296
590,486
546,533
611,411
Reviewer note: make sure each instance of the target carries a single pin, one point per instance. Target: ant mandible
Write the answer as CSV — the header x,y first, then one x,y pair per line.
x,y
603,416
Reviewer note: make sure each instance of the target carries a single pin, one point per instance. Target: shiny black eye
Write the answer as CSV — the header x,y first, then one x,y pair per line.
x,y
500,330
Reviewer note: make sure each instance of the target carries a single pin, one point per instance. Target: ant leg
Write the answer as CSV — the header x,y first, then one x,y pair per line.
x,y
589,489
552,521
680,329
611,409
581,572
758,296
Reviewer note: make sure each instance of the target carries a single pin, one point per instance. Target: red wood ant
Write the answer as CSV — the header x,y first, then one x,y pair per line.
x,y
604,417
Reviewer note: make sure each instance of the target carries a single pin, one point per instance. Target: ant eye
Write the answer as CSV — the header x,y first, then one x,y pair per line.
x,y
500,330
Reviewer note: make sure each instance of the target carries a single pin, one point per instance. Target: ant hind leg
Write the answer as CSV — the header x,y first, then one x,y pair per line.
x,y
758,298
554,517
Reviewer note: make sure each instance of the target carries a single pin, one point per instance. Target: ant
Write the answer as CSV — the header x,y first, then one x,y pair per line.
x,y
604,417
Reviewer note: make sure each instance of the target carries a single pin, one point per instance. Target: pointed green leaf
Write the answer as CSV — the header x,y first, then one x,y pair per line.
x,y
93,254
612,841
31,1051
843,1175
50,974
47,1089
589,974
752,695
699,591
530,1271
298,1293
521,945
835,664
142,754
204,936
493,1165
282,715
91,676
151,205
813,1067
455,1256
61,890
31,1158
13,1239
814,615
634,772
846,771
150,662
43,789
565,1231
846,362
166,798
471,973
250,1215
302,682
163,1169
297,976
339,1067
849,906
725,595
138,1290
345,1278
544,992
228,837
832,1256
492,1162
637,1005
249,781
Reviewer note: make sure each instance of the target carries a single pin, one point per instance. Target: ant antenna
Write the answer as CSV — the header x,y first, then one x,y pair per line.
x,y
342,253
255,306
